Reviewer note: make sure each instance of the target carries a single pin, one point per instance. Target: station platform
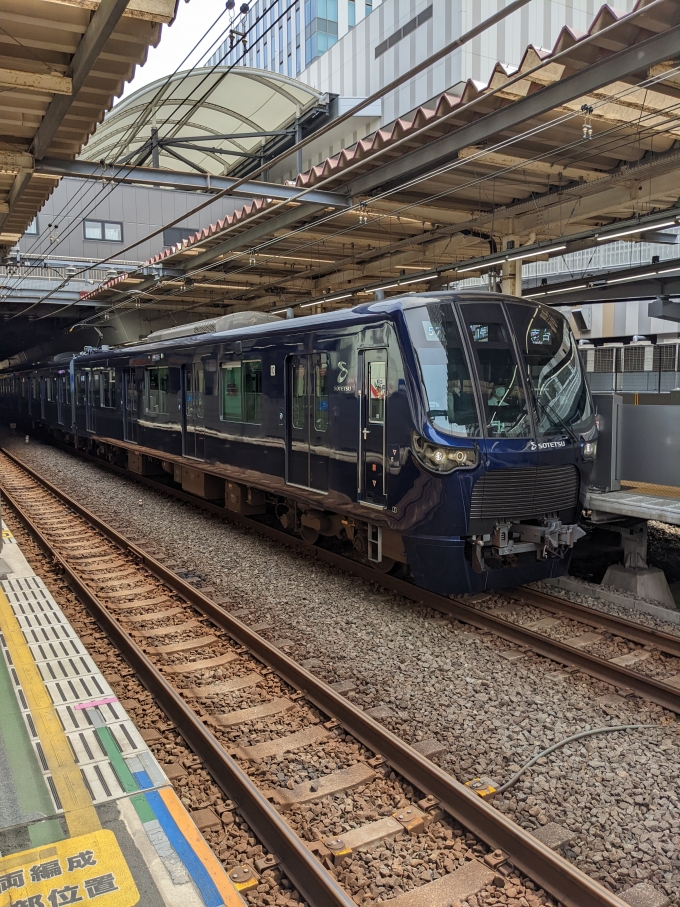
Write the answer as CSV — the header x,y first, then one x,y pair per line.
x,y
86,812
640,501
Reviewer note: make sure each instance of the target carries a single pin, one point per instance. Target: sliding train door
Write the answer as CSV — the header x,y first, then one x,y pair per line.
x,y
307,424
193,424
372,474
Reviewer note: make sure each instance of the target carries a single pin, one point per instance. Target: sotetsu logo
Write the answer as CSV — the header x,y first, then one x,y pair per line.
x,y
546,445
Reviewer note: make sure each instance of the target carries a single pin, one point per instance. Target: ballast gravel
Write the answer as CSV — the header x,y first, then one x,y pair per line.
x,y
617,792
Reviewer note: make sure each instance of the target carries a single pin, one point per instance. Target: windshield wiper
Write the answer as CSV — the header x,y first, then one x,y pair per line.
x,y
547,409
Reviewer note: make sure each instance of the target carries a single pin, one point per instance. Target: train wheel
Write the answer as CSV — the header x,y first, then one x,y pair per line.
x,y
311,536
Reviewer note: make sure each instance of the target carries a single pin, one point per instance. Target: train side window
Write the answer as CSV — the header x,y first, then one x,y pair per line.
x,y
376,391
231,391
94,389
321,392
157,380
108,380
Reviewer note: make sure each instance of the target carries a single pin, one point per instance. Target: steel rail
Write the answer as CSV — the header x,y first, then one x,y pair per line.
x,y
621,626
306,873
617,675
553,873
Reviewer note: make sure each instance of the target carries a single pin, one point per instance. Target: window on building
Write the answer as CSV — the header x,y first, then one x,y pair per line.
x,y
351,13
157,381
369,7
290,63
321,27
109,231
174,235
241,393
297,60
32,228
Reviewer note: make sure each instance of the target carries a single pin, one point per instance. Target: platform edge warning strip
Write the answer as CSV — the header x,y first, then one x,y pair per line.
x,y
81,816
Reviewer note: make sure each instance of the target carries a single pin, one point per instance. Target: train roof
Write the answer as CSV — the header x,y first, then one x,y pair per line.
x,y
363,313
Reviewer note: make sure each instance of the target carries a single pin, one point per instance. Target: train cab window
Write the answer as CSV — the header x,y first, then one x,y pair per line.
x,y
553,368
377,381
444,367
500,378
321,392
242,391
108,385
157,382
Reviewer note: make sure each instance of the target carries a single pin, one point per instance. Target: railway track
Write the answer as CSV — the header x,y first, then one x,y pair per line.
x,y
623,653
235,698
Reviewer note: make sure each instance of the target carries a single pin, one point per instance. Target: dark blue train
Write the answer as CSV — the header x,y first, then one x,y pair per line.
x,y
452,434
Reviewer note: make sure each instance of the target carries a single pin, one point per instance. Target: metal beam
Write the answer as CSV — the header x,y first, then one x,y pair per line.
x,y
103,22
191,182
654,50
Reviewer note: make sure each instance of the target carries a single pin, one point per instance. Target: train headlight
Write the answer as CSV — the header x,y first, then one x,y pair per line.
x,y
589,450
443,459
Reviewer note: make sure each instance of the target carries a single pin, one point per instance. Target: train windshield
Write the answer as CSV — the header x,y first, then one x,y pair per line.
x,y
444,368
553,367
506,412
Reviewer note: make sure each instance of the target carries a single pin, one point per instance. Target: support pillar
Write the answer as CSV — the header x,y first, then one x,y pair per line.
x,y
634,576
511,278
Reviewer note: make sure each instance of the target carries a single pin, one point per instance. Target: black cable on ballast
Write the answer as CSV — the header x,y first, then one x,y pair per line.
x,y
600,730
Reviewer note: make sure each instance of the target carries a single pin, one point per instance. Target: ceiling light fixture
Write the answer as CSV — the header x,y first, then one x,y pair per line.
x,y
642,228
633,277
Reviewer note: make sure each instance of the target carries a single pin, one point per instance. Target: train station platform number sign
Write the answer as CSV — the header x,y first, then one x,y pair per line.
x,y
89,868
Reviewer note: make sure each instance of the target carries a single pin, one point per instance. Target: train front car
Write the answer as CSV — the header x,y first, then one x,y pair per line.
x,y
505,427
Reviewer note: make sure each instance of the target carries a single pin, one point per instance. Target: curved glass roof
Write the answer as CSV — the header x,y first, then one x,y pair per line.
x,y
193,111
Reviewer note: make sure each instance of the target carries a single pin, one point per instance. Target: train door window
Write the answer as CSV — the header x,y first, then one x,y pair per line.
x,y
81,388
108,381
51,389
321,392
500,378
231,385
252,391
94,389
299,393
376,391
157,381
35,388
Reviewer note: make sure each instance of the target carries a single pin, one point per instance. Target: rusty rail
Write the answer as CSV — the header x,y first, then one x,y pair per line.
x,y
552,872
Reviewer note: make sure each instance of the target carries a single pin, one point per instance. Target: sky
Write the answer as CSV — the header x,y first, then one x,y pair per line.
x,y
192,21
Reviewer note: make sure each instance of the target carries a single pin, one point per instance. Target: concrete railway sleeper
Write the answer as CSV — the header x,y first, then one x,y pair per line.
x,y
195,638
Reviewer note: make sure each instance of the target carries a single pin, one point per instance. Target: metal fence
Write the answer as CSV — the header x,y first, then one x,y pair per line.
x,y
638,368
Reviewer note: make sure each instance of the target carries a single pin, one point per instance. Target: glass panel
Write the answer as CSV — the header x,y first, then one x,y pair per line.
x,y
554,368
321,392
377,372
252,391
500,381
231,391
157,380
113,232
80,388
444,367
93,229
299,395
109,388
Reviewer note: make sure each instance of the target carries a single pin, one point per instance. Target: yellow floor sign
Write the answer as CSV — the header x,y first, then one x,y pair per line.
x,y
75,871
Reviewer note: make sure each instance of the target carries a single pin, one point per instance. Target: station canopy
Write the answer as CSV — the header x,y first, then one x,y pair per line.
x,y
62,64
209,120
574,146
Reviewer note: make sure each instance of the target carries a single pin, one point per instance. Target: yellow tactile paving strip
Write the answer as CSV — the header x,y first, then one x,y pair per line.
x,y
656,491
81,816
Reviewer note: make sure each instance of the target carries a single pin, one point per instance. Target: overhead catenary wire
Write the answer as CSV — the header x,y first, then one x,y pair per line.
x,y
96,201
459,42
458,163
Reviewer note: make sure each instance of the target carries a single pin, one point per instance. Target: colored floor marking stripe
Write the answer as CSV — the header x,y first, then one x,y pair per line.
x,y
119,764
81,816
198,872
229,894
